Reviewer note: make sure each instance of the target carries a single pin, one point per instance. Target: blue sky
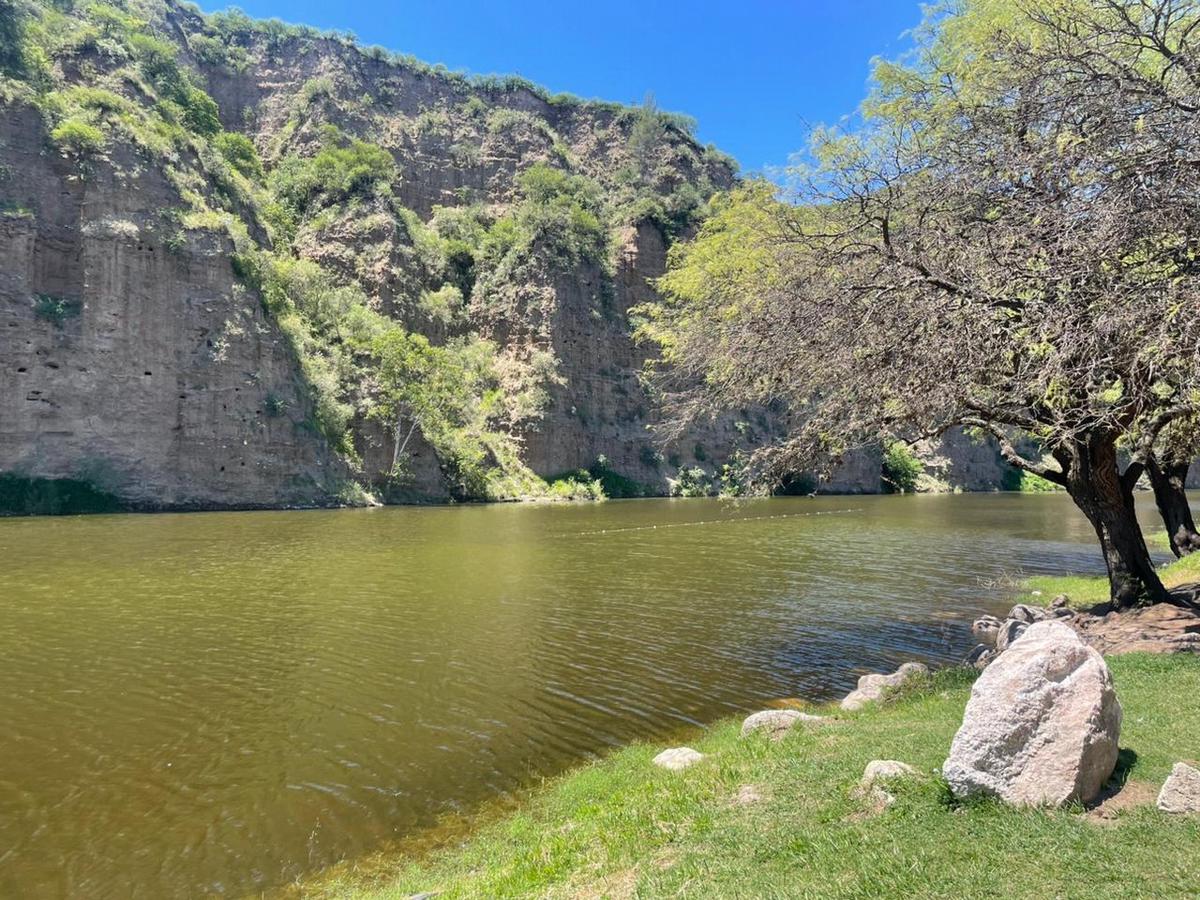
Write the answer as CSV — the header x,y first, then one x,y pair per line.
x,y
755,74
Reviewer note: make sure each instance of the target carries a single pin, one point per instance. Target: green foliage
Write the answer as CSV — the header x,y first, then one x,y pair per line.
x,y
78,137
901,468
455,395
158,61
343,168
691,481
577,485
56,310
321,319
1015,479
12,55
562,212
615,485
238,150
214,51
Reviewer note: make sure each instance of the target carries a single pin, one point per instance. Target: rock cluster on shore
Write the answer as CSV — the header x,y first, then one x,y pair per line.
x,y
1043,722
1160,628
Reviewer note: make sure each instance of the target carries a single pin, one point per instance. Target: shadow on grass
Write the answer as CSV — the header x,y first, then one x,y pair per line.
x,y
1126,760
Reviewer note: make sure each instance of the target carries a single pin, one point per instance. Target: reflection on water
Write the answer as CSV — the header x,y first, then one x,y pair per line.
x,y
223,702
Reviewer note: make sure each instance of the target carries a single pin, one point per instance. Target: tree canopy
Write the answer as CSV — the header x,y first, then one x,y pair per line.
x,y
1007,240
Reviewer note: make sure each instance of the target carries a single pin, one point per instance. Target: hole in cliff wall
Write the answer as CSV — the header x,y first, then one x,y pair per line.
x,y
22,496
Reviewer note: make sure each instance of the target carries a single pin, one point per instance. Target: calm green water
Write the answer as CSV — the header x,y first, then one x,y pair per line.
x,y
221,703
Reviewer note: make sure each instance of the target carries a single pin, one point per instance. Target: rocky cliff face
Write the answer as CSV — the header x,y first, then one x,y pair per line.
x,y
145,371
375,200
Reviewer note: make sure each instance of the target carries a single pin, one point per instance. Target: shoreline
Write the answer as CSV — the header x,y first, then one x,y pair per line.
x,y
756,810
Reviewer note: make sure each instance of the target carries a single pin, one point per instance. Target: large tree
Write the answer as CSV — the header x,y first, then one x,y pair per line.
x,y
1009,241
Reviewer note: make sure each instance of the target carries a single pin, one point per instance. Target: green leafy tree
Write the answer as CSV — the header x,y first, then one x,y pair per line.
x,y
1008,241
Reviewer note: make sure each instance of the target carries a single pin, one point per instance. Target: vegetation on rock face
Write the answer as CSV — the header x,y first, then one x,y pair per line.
x,y
393,313
761,818
901,469
986,250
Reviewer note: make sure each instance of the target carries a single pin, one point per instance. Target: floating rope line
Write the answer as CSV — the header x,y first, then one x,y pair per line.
x,y
827,512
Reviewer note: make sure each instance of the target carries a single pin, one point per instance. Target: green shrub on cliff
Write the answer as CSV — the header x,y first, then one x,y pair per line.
x,y
343,168
900,468
78,137
560,212
238,150
12,55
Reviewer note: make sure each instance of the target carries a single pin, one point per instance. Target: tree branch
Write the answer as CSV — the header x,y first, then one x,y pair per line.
x,y
1013,457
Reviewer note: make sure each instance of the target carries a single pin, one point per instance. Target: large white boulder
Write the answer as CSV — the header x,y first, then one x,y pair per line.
x,y
1042,724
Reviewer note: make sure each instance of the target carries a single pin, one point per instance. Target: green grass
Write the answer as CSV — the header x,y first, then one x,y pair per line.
x,y
621,827
1087,590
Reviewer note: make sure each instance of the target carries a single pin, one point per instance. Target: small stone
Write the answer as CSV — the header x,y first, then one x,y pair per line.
x,y
1009,632
1180,793
1023,612
1060,601
980,656
985,628
677,758
871,687
775,722
877,773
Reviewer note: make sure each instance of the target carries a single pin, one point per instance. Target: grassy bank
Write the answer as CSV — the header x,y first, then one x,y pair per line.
x,y
1088,590
622,827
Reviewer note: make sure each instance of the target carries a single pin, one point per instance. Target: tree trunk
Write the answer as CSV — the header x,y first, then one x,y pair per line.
x,y
1094,483
1168,482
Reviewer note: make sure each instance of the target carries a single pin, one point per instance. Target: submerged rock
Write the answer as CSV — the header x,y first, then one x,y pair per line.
x,y
1181,792
677,758
872,687
1042,724
775,722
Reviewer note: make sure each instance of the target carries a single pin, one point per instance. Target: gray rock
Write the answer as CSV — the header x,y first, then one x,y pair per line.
x,y
775,722
980,656
1042,724
985,628
1009,632
1060,601
1180,793
872,687
1023,612
677,758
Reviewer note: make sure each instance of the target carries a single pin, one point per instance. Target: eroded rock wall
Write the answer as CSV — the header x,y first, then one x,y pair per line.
x,y
144,370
